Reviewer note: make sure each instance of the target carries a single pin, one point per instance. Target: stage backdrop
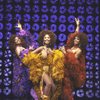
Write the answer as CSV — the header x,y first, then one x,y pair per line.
x,y
58,16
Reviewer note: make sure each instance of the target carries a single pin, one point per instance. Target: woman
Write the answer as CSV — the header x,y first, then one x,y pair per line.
x,y
52,65
74,52
21,85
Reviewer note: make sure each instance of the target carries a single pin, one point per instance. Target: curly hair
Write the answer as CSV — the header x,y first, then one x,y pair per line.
x,y
12,43
83,40
52,37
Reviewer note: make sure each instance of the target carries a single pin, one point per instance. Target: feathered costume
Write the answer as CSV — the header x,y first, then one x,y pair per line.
x,y
75,74
21,84
56,68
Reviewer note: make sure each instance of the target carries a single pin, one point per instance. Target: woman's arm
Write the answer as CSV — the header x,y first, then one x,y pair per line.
x,y
39,49
78,24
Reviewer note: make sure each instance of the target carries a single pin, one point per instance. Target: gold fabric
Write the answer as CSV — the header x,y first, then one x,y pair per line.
x,y
54,64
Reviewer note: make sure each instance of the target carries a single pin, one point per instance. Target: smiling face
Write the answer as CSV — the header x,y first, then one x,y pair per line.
x,y
76,40
46,39
17,40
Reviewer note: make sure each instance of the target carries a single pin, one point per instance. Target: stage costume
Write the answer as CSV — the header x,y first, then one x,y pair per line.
x,y
75,71
35,62
21,84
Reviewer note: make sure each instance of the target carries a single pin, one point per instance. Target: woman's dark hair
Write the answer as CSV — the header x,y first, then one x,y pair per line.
x,y
52,37
83,40
12,43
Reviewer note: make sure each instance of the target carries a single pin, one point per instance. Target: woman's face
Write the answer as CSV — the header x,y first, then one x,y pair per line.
x,y
17,40
46,39
76,40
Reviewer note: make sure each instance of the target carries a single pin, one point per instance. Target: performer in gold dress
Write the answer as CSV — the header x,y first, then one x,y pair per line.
x,y
45,64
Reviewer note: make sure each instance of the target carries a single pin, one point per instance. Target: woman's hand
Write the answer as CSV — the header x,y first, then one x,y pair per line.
x,y
19,25
77,21
62,48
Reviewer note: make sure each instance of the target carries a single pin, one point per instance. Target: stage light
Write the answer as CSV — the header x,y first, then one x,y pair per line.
x,y
44,9
97,37
26,1
62,27
53,1
8,26
44,1
71,28
90,47
89,56
82,28
35,35
1,35
62,9
17,1
44,18
53,27
97,93
81,10
35,27
44,26
89,66
1,53
97,75
71,10
97,19
36,9
9,8
7,62
62,37
89,19
7,72
53,18
18,17
89,84
35,17
18,8
97,55
1,44
53,9
89,75
90,37
89,10
8,17
27,26
71,2
81,2
90,2
6,90
80,93
27,8
26,17
97,28
97,66
90,93
62,19
89,28
71,19
97,10
36,1
1,26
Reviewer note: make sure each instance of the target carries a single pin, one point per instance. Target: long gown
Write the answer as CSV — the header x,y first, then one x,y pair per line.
x,y
35,63
21,84
75,71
